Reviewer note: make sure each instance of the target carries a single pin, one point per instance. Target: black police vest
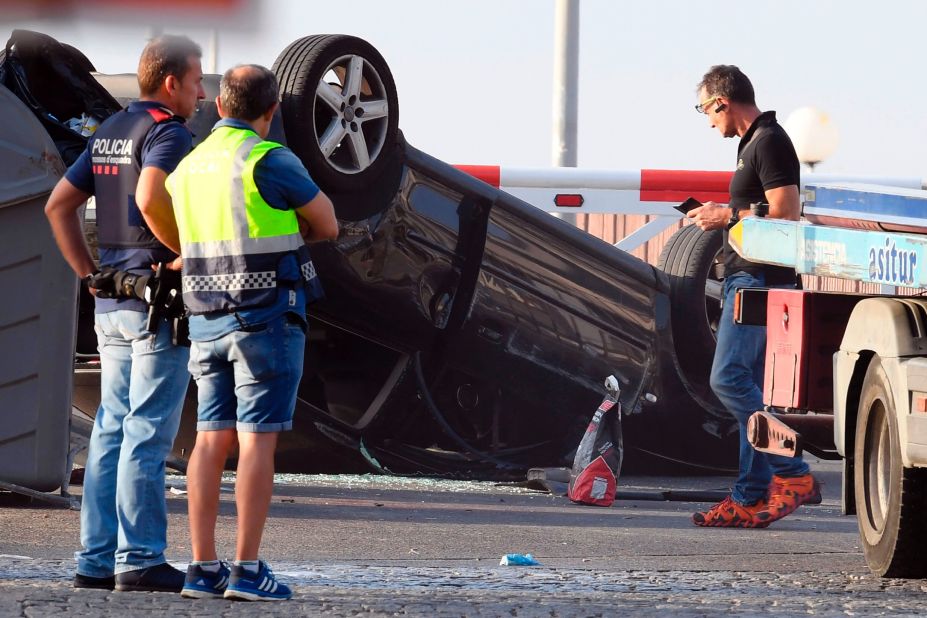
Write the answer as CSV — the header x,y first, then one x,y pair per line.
x,y
115,153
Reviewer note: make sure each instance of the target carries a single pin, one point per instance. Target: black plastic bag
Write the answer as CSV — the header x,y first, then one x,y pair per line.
x,y
54,80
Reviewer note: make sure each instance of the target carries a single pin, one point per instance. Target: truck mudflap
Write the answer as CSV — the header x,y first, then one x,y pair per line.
x,y
790,435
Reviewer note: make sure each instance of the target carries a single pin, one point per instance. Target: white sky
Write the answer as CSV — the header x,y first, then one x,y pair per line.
x,y
475,77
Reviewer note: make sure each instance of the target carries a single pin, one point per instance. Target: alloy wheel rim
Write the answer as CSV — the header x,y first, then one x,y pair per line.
x,y
351,114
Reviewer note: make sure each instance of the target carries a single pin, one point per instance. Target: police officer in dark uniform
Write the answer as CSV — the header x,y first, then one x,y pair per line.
x,y
143,373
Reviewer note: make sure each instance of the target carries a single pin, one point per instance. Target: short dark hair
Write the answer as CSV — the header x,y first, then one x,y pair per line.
x,y
168,54
726,80
248,91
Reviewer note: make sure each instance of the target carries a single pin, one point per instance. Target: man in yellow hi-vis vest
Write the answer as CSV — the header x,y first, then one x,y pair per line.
x,y
247,277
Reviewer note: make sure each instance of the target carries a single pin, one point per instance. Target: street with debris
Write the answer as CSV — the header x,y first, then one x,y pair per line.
x,y
377,545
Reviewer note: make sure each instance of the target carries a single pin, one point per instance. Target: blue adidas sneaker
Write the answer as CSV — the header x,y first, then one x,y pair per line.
x,y
204,584
261,586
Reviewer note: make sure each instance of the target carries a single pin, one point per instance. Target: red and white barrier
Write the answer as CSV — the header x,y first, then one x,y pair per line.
x,y
635,192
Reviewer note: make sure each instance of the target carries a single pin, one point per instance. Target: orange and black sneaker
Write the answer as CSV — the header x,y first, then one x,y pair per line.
x,y
787,494
729,514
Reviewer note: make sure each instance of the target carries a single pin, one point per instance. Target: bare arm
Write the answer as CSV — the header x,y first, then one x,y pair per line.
x,y
784,203
319,214
156,207
61,210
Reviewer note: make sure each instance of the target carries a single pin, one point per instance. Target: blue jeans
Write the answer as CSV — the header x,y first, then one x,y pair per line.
x,y
737,379
143,382
247,380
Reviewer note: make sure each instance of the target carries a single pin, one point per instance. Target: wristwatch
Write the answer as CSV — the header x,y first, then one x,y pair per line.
x,y
735,217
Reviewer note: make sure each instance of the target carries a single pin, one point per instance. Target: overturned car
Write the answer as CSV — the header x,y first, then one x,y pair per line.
x,y
465,332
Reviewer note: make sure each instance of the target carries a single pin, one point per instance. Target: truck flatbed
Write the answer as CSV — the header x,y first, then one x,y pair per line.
x,y
868,253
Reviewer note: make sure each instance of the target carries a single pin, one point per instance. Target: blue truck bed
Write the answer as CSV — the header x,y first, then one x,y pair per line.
x,y
878,240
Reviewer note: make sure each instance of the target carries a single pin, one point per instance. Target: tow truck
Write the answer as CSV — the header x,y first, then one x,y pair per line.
x,y
846,373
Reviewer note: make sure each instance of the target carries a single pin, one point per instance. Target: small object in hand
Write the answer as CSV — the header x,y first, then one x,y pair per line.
x,y
518,560
87,279
103,282
689,204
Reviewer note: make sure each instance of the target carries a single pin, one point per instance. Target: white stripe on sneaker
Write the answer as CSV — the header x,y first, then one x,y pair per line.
x,y
274,589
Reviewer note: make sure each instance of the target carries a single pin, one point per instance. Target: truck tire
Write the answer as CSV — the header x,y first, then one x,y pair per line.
x,y
890,499
692,259
340,109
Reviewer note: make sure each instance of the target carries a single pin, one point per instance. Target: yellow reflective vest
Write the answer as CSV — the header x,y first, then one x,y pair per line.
x,y
231,239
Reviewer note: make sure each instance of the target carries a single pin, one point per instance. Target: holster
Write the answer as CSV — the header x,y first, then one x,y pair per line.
x,y
180,331
167,303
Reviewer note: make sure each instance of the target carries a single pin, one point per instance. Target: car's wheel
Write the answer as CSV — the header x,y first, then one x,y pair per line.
x,y
890,499
692,259
340,109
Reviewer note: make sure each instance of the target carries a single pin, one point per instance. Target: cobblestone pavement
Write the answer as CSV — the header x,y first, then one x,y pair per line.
x,y
42,588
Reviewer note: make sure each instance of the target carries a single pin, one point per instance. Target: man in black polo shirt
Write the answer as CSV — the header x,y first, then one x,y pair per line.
x,y
769,487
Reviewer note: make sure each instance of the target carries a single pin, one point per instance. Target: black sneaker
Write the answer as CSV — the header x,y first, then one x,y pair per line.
x,y
95,583
160,578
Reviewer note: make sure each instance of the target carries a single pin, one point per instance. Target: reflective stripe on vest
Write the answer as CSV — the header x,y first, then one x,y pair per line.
x,y
231,239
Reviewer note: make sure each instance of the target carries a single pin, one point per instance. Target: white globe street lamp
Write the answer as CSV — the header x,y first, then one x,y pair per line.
x,y
813,135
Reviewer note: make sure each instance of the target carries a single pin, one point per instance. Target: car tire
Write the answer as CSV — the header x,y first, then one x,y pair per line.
x,y
340,109
692,259
890,499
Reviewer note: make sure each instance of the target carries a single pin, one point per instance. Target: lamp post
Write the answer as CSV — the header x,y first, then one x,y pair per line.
x,y
813,135
566,85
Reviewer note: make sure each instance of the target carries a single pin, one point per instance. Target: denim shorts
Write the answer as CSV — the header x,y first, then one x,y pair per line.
x,y
247,380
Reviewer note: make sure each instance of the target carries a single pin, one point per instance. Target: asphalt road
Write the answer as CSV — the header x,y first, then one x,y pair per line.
x,y
387,546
